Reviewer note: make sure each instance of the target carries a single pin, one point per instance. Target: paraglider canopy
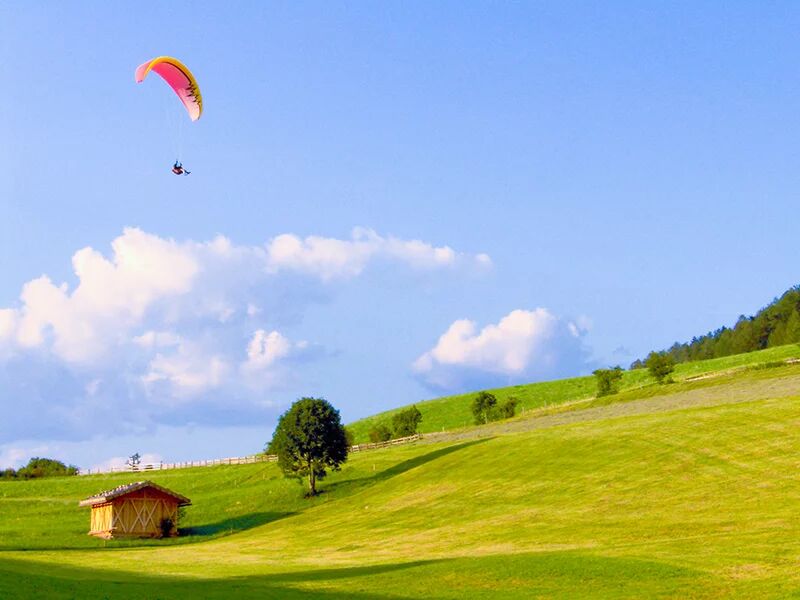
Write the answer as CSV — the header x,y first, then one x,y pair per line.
x,y
179,78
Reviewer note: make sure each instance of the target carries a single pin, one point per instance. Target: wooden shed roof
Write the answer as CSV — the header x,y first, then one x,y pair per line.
x,y
122,490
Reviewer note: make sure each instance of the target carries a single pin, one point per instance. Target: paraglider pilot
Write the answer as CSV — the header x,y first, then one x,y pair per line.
x,y
178,169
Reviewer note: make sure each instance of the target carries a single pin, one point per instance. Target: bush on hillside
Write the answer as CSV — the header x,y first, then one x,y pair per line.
x,y
660,365
482,407
44,467
508,408
406,421
380,433
485,408
608,381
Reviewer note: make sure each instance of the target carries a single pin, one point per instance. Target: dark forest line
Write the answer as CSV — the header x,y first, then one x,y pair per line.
x,y
776,324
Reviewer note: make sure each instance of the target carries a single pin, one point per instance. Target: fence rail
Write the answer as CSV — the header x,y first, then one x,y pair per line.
x,y
376,445
235,460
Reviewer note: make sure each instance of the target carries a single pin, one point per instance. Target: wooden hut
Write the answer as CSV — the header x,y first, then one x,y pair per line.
x,y
141,509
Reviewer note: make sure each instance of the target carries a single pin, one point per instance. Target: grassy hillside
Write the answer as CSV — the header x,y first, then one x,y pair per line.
x,y
693,493
452,412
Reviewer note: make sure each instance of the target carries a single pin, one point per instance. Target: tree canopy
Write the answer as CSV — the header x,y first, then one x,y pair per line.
x,y
660,365
406,421
485,408
309,440
40,467
774,325
608,381
482,406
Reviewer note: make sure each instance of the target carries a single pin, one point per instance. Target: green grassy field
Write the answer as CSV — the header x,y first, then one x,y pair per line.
x,y
691,490
450,412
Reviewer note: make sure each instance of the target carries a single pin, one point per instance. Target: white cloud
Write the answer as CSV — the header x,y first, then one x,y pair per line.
x,y
8,322
185,373
111,296
268,356
157,339
330,258
158,326
266,348
183,280
523,345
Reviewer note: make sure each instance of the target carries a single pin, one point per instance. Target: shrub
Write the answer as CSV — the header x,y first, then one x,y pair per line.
x,y
380,433
406,421
508,408
482,407
660,366
608,381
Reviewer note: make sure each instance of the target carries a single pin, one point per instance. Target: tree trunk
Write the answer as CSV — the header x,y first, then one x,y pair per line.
x,y
312,480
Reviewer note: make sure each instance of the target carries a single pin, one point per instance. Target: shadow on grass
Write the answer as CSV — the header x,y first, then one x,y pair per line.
x,y
234,524
400,468
572,574
22,579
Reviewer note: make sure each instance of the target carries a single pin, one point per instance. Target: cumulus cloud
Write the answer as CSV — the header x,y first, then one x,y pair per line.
x,y
185,374
269,356
265,349
329,258
159,326
525,345
157,339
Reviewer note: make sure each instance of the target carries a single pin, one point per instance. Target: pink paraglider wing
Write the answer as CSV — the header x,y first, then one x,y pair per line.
x,y
179,78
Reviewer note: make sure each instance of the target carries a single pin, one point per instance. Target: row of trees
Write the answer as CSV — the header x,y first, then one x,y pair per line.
x,y
774,325
40,467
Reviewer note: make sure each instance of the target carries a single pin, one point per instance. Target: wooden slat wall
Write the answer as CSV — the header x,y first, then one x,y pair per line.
x,y
140,513
101,518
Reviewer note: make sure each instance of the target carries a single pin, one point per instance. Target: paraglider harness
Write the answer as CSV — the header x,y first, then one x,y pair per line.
x,y
178,169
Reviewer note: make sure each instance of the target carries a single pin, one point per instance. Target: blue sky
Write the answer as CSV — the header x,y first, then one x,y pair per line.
x,y
535,189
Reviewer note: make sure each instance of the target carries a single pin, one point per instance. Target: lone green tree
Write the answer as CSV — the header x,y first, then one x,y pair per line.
x,y
309,440
608,381
660,366
483,407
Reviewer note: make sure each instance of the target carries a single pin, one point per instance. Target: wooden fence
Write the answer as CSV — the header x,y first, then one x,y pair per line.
x,y
236,460
376,445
